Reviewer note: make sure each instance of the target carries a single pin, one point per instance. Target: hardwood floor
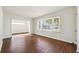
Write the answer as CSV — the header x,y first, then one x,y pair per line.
x,y
26,43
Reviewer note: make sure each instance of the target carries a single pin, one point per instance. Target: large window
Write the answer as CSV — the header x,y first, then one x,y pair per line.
x,y
49,24
20,26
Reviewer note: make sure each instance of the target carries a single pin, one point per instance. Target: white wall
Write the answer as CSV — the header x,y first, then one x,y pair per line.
x,y
78,29
1,26
7,25
68,25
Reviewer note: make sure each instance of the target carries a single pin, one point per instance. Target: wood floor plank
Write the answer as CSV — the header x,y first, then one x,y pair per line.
x,y
31,43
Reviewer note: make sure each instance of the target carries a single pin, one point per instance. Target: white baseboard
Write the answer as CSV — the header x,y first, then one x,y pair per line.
x,y
7,37
57,38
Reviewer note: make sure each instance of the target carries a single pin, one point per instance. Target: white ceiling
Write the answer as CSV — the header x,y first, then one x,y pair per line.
x,y
32,11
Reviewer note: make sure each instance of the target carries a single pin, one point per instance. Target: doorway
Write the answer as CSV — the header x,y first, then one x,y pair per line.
x,y
20,26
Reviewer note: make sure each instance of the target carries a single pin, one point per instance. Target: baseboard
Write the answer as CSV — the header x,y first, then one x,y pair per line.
x,y
19,33
7,37
55,38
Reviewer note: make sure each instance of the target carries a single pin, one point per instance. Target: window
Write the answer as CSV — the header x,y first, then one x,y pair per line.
x,y
50,24
18,26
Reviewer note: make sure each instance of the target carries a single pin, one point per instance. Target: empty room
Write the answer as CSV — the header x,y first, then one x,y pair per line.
x,y
38,29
